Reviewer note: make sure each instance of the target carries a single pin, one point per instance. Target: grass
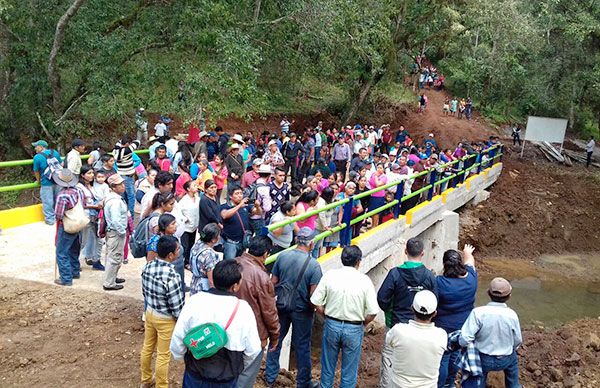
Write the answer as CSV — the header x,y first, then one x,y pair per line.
x,y
394,92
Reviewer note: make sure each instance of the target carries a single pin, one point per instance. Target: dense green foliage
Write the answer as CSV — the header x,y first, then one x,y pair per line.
x,y
254,57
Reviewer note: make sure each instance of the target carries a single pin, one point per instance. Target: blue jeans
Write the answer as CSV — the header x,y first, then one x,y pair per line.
x,y
67,255
129,194
191,381
47,195
89,242
344,337
317,248
508,364
231,249
301,334
448,369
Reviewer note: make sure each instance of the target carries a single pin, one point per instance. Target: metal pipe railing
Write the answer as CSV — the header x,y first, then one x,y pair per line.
x,y
33,185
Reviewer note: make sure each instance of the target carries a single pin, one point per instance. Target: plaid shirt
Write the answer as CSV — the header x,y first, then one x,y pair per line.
x,y
469,360
161,286
66,200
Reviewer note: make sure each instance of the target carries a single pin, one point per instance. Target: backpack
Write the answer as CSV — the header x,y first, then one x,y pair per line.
x,y
205,340
52,164
138,243
251,191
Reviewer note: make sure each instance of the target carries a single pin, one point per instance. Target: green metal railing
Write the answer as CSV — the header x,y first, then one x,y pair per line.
x,y
396,202
28,162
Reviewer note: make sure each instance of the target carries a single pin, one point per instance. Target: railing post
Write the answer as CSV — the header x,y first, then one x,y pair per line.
x,y
432,179
480,159
399,194
346,233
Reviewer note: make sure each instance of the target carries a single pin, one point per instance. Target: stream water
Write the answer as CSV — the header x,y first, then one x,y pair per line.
x,y
547,302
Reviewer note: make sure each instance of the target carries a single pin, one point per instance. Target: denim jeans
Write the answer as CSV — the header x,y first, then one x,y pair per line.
x,y
47,195
301,334
231,249
317,248
129,194
67,254
344,337
89,242
247,378
448,369
191,381
508,364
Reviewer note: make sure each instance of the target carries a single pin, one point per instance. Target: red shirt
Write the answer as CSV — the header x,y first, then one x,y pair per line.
x,y
193,134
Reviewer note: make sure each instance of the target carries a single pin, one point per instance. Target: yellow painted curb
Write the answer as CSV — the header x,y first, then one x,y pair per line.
x,y
445,195
329,255
409,214
21,216
375,230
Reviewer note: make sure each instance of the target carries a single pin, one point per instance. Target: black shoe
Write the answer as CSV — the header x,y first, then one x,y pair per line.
x,y
113,288
88,261
119,280
314,384
60,283
76,276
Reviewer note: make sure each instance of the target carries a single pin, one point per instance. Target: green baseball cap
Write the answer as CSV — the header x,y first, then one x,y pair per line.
x,y
41,143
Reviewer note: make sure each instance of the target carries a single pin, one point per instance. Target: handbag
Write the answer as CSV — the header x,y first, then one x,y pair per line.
x,y
286,294
75,219
205,340
247,233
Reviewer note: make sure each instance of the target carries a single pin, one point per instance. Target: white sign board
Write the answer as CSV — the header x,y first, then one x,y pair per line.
x,y
546,129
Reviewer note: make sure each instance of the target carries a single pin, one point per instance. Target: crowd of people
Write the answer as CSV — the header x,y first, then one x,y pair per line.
x,y
205,206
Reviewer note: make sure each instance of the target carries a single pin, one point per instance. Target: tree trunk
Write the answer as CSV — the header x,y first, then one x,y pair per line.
x,y
59,36
257,4
572,108
363,93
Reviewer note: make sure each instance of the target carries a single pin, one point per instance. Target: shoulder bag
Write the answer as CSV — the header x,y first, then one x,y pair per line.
x,y
286,293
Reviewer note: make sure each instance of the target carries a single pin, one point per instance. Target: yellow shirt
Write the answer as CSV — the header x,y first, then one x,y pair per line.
x,y
203,177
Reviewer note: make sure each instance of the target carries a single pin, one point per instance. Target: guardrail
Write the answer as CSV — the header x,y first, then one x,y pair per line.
x,y
27,162
345,228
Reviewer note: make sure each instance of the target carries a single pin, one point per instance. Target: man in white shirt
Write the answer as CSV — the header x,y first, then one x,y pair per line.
x,y
160,130
74,156
417,346
589,149
347,299
218,305
359,143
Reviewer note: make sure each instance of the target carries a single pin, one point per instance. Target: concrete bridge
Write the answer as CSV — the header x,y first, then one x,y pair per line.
x,y
27,251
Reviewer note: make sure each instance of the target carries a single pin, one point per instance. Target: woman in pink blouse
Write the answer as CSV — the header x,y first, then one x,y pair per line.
x,y
378,179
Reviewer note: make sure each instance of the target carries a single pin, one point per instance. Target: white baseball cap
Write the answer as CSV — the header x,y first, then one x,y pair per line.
x,y
425,302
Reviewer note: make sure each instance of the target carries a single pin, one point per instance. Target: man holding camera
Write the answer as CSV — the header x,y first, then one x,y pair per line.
x,y
236,223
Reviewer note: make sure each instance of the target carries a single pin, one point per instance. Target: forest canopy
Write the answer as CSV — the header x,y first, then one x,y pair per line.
x,y
68,66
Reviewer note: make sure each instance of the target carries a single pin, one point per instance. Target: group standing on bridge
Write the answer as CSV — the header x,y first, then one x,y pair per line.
x,y
225,191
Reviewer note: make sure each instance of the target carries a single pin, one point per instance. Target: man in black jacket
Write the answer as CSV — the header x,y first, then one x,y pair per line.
x,y
397,292
291,150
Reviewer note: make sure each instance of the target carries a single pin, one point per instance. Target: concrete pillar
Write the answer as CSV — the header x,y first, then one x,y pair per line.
x,y
438,238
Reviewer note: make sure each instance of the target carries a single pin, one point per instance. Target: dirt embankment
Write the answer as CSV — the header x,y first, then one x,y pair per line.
x,y
54,337
536,208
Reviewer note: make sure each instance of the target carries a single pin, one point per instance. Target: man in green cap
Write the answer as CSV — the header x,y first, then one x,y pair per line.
x,y
45,163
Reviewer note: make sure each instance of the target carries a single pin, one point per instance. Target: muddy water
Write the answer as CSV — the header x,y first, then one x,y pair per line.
x,y
548,302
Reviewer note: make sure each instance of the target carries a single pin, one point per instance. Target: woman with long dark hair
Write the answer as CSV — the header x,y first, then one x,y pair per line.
x,y
306,202
210,211
91,206
456,298
203,258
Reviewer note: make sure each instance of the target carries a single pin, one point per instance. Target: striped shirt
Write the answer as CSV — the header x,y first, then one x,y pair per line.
x,y
124,158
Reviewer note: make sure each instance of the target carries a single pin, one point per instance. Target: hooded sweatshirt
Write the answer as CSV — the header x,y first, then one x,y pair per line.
x,y
398,290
